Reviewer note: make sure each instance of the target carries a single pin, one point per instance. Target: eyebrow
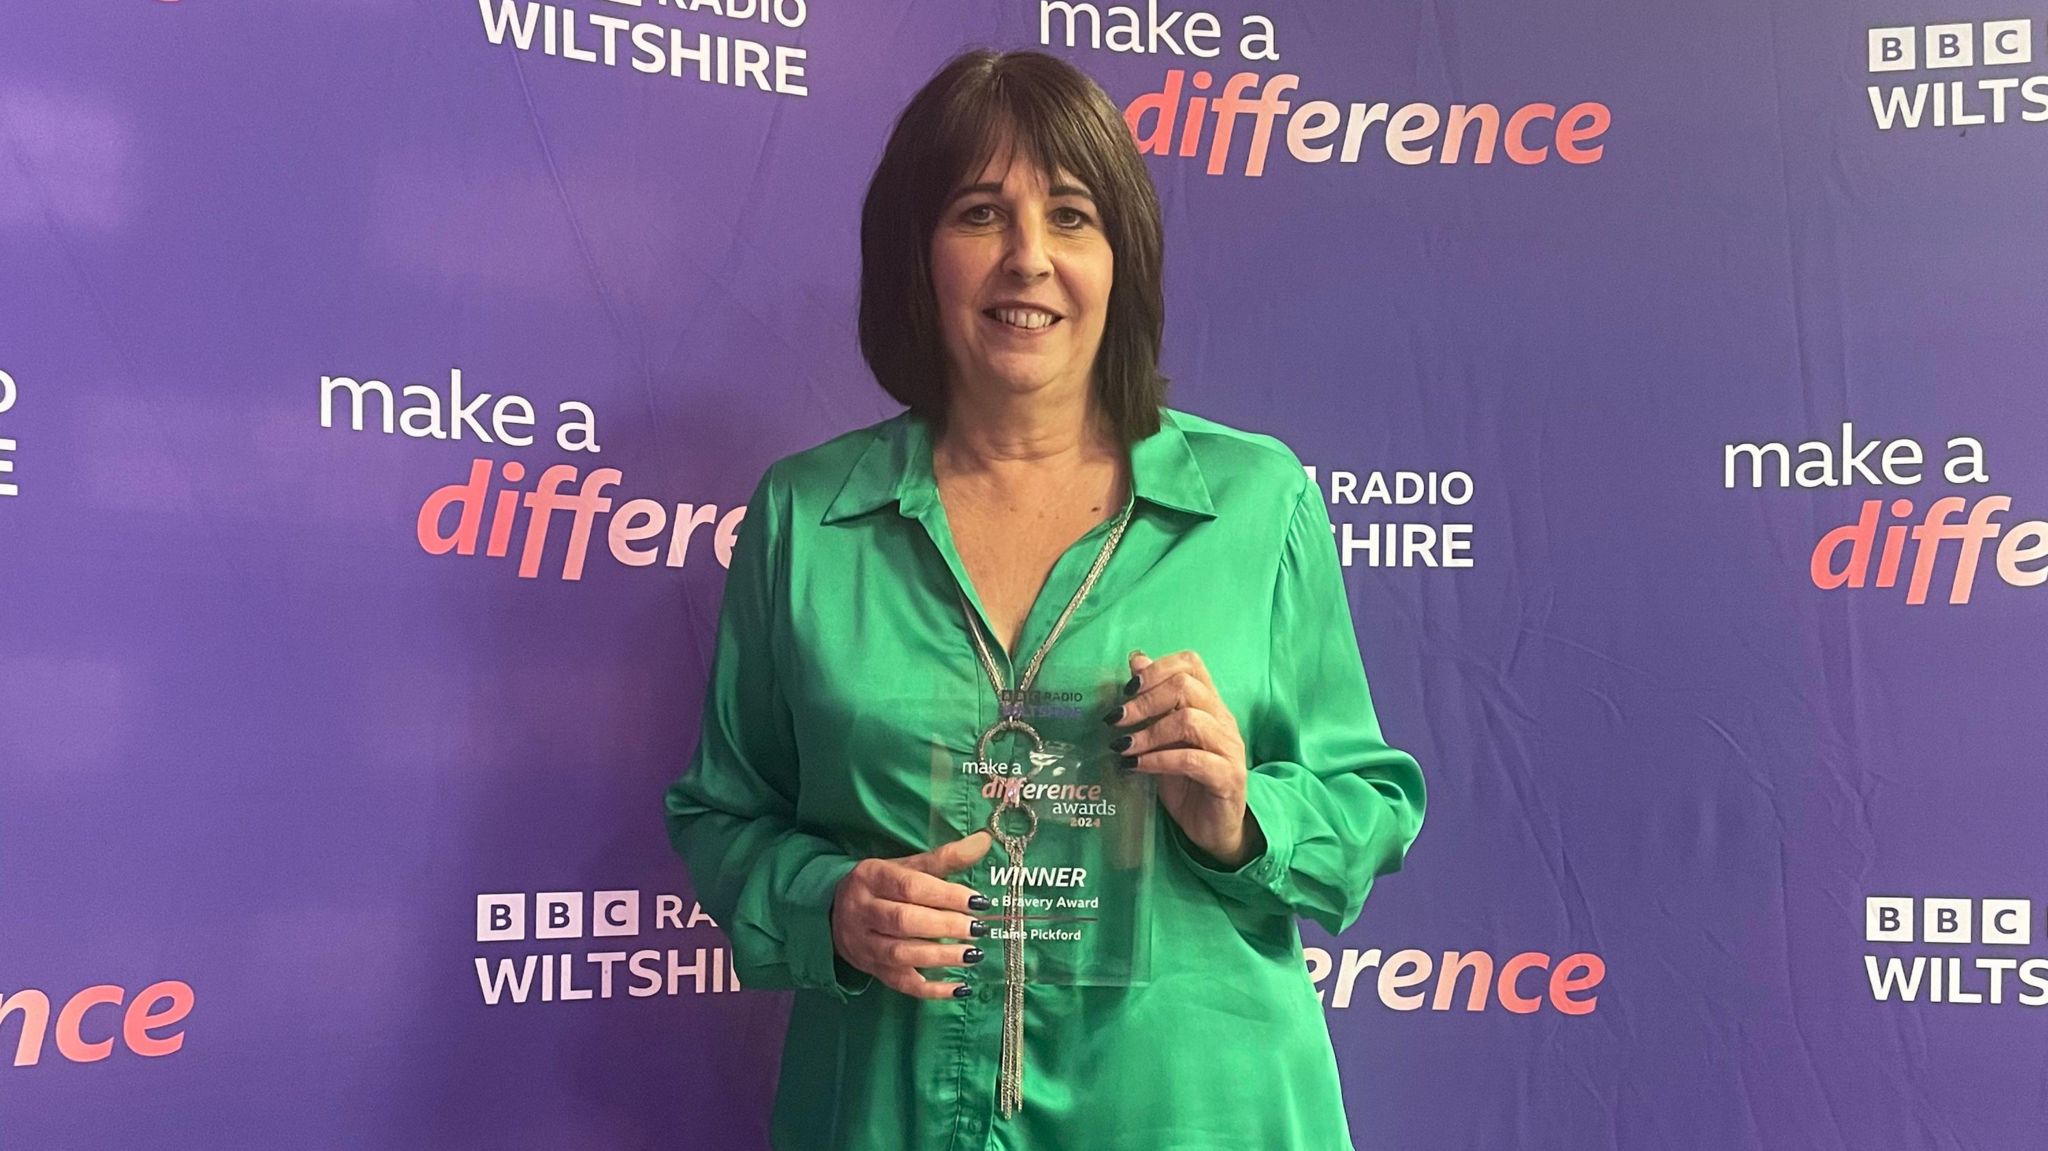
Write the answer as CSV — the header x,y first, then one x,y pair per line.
x,y
1054,192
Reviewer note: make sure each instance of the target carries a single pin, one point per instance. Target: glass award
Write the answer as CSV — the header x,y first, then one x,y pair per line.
x,y
1071,867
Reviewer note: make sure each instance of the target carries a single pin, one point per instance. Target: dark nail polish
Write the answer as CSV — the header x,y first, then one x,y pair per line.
x,y
1115,713
1128,762
1131,687
978,902
1120,743
972,955
964,991
977,929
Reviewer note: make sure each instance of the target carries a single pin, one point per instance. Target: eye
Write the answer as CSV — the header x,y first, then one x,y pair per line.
x,y
1071,218
978,214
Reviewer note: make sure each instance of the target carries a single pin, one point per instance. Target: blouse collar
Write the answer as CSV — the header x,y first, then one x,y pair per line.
x,y
897,467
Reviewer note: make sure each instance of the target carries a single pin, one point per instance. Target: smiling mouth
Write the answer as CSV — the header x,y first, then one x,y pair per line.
x,y
1023,319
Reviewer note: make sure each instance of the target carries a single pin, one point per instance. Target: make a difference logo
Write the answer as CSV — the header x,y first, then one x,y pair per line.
x,y
1199,112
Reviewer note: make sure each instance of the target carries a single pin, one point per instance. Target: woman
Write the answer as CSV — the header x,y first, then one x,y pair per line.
x,y
1035,510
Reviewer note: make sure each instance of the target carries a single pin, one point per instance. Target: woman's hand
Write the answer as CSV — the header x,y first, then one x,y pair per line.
x,y
1194,747
888,914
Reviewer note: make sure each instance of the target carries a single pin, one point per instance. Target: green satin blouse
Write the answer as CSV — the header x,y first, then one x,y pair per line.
x,y
841,645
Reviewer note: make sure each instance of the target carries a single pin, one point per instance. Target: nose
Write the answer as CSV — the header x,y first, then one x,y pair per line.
x,y
1025,257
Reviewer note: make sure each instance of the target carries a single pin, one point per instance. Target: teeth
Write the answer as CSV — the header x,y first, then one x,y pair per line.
x,y
1021,318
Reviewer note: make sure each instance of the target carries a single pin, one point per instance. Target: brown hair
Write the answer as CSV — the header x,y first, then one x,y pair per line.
x,y
1059,120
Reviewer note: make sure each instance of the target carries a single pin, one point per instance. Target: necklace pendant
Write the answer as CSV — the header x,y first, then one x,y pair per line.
x,y
1010,1086
1013,821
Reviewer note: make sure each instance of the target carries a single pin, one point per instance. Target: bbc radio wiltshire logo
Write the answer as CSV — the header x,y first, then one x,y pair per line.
x,y
1196,111
698,41
1397,519
1955,75
1925,951
565,947
8,445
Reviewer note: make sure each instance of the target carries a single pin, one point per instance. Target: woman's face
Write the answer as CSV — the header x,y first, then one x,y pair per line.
x,y
1021,272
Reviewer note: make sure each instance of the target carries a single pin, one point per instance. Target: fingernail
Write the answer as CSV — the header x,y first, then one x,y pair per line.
x,y
1129,761
1115,713
1120,743
978,902
977,929
972,955
1131,687
964,991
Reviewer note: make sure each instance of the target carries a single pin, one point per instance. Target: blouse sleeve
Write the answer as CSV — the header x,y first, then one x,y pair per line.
x,y
1337,806
732,816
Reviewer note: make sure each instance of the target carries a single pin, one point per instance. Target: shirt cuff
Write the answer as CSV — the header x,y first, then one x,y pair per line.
x,y
813,961
1258,881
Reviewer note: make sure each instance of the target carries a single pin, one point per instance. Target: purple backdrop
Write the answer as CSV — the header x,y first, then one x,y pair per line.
x,y
277,770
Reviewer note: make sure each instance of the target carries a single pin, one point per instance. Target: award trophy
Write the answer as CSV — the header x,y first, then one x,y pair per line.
x,y
1069,872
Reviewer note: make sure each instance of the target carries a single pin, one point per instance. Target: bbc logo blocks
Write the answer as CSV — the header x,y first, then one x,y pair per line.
x,y
1903,919
1907,48
557,915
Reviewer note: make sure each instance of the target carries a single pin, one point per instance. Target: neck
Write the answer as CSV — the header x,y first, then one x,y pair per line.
x,y
1023,437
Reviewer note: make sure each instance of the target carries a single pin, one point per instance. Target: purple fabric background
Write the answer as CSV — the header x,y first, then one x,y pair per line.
x,y
254,738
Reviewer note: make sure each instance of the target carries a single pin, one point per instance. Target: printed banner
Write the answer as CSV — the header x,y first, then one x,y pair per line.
x,y
381,386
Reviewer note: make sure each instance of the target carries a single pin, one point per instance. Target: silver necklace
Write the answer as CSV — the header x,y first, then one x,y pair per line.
x,y
1013,822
